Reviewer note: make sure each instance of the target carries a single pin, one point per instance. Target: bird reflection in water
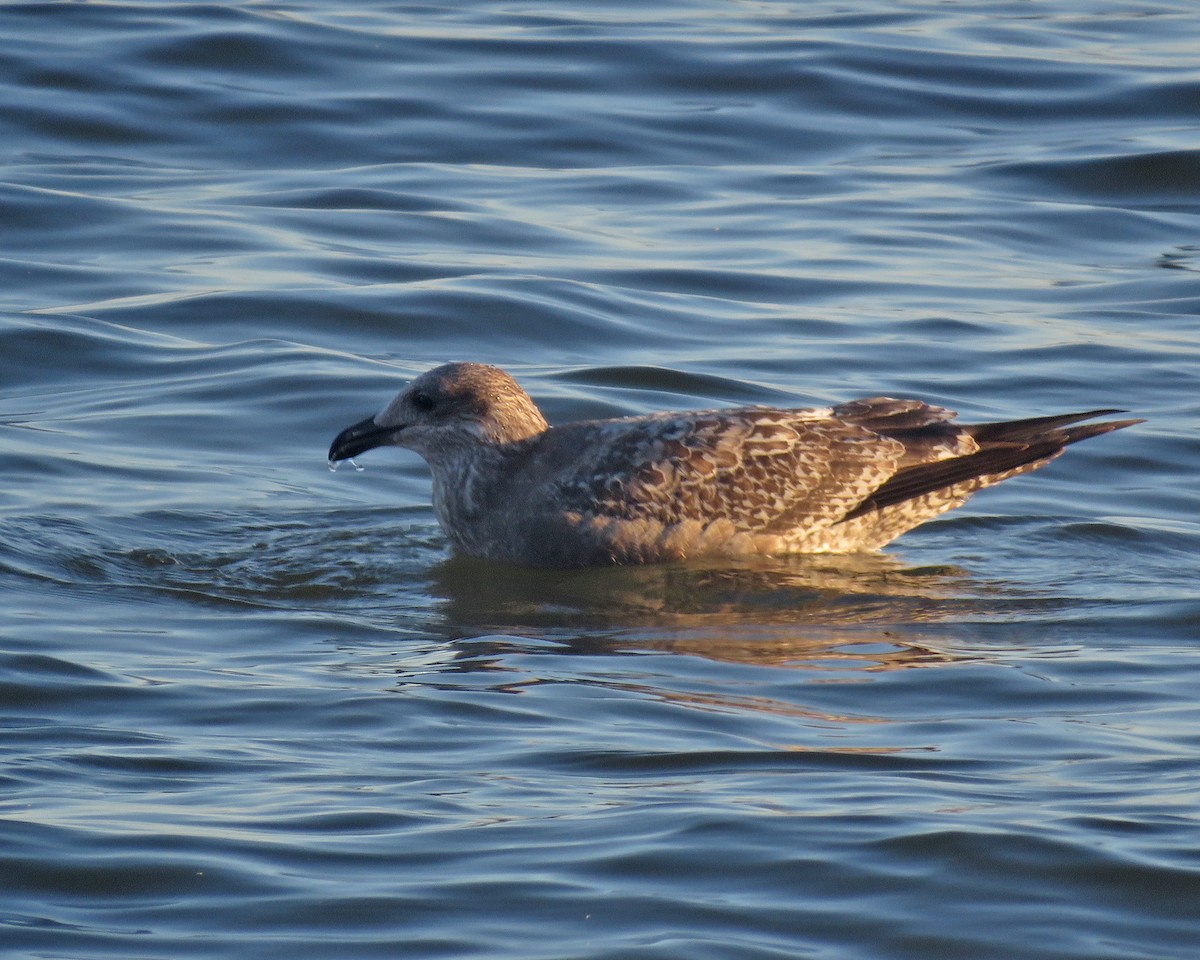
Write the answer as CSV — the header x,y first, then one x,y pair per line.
x,y
863,611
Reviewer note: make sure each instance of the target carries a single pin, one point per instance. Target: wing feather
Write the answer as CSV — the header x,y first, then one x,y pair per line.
x,y
764,470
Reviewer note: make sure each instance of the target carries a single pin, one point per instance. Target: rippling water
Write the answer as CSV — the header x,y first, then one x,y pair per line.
x,y
253,708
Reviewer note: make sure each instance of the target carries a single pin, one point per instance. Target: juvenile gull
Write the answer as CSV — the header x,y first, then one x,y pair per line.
x,y
509,487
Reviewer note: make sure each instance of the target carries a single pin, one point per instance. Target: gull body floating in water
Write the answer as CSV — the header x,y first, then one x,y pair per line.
x,y
668,486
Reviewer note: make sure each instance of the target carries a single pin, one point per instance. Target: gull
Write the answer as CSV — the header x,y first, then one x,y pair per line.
x,y
670,486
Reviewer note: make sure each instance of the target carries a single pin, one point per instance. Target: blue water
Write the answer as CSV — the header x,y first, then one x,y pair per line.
x,y
253,708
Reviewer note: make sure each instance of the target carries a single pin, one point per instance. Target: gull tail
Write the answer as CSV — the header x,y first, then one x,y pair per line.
x,y
1005,450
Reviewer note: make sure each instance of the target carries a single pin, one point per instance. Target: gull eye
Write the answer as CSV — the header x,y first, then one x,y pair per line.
x,y
422,401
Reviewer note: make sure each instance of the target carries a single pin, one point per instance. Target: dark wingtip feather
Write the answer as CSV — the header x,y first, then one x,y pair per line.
x,y
1032,428
1075,434
1002,447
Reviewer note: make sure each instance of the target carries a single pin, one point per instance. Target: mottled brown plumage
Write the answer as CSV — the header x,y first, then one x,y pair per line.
x,y
508,487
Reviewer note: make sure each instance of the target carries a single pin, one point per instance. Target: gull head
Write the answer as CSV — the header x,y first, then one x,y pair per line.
x,y
445,413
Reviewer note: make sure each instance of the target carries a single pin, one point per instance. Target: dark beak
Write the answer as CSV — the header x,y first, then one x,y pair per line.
x,y
363,436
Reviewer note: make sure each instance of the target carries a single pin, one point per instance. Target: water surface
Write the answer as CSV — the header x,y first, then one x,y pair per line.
x,y
254,708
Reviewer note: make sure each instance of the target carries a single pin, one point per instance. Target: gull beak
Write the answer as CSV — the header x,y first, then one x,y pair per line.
x,y
359,438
